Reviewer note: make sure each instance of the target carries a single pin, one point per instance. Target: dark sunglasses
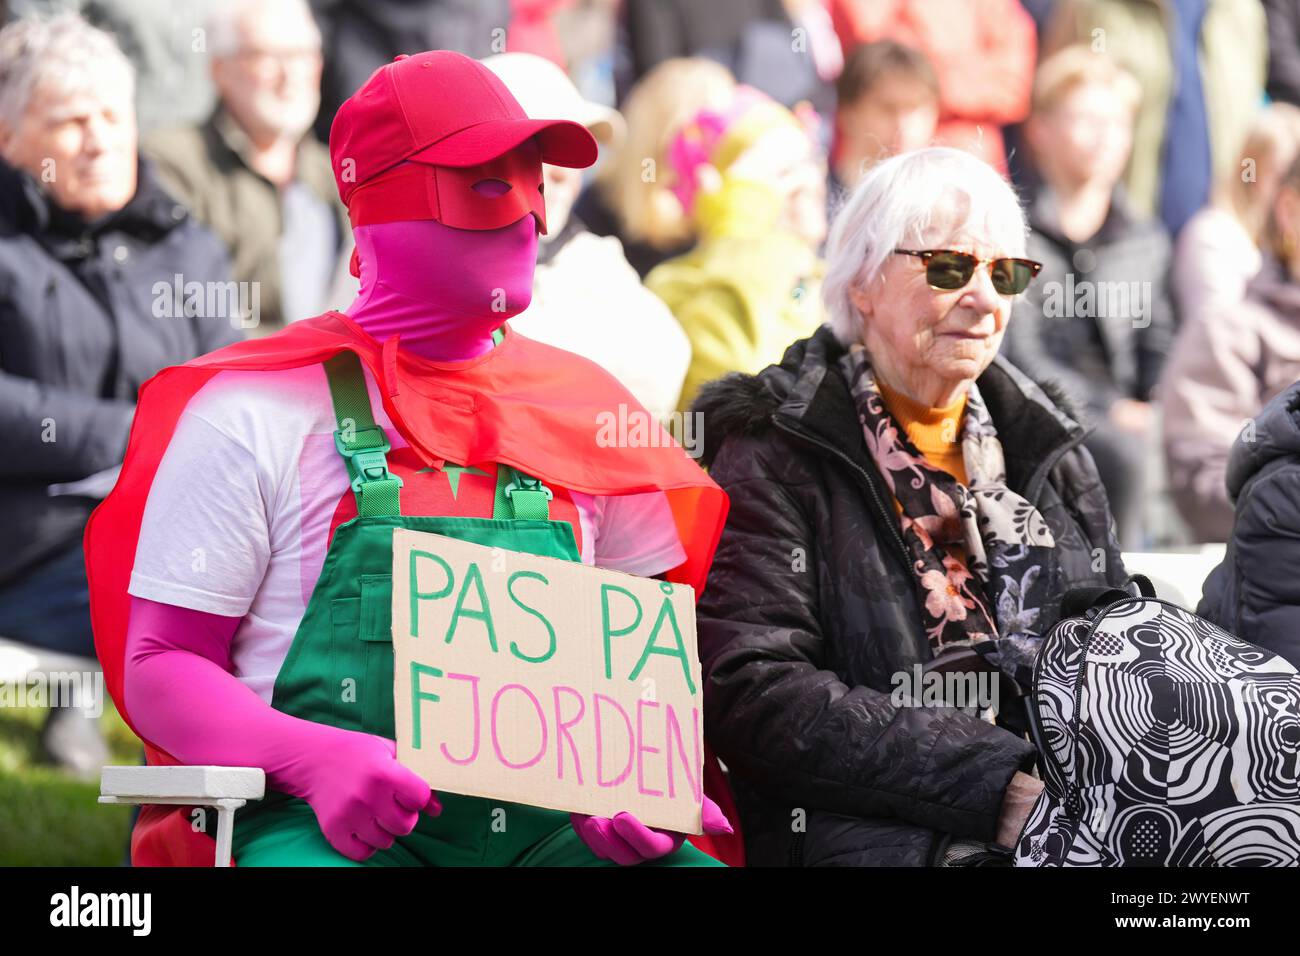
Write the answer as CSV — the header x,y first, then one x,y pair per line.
x,y
947,269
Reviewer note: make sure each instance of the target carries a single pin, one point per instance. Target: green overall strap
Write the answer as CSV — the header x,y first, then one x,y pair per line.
x,y
360,441
519,496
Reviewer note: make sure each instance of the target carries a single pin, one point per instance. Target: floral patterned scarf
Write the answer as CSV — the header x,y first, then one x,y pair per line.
x,y
998,595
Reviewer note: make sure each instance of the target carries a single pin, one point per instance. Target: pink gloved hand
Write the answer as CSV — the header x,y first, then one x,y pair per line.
x,y
363,798
627,841
182,696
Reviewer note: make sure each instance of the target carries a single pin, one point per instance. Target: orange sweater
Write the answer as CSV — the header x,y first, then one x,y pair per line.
x,y
936,433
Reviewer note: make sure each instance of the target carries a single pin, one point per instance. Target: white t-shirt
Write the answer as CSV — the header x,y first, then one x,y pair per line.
x,y
239,514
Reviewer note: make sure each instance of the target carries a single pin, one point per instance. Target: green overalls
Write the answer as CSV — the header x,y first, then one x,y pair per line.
x,y
339,670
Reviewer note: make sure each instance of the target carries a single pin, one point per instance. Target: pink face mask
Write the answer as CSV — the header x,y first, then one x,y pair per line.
x,y
444,290
482,273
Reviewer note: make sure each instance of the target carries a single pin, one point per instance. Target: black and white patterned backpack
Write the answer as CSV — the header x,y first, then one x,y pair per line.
x,y
1163,741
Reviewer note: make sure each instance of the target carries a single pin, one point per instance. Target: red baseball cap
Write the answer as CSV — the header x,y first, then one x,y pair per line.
x,y
445,109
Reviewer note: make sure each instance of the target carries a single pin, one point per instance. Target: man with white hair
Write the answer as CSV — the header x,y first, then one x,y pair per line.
x,y
90,248
586,297
253,172
158,37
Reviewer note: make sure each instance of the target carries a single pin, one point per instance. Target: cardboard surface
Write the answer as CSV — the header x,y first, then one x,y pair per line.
x,y
546,682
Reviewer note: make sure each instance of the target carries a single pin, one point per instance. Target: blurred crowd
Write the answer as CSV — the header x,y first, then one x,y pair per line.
x,y
165,190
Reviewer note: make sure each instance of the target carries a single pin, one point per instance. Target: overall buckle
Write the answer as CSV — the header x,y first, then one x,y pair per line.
x,y
526,484
368,461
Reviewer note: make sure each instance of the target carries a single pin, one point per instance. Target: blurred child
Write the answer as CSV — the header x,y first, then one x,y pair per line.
x,y
888,103
631,198
1099,319
1225,367
753,182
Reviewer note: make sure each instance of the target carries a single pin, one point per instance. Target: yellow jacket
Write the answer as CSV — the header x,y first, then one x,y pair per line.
x,y
744,293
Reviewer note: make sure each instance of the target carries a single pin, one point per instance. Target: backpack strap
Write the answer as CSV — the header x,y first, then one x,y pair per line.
x,y
1079,601
360,441
1144,585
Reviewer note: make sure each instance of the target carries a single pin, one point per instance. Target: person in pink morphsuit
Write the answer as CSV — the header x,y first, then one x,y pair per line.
x,y
446,240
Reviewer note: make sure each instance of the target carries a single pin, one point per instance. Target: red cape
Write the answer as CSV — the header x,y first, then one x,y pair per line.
x,y
529,405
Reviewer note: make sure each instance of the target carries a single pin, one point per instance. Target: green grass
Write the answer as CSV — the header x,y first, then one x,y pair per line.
x,y
48,818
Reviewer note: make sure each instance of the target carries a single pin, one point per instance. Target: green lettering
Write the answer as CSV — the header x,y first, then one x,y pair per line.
x,y
550,631
604,622
418,695
484,612
678,649
417,595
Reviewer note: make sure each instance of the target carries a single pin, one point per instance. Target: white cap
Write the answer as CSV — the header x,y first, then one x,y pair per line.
x,y
546,92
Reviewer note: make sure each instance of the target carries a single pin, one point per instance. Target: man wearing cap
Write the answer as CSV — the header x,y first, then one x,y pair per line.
x,y
586,297
263,482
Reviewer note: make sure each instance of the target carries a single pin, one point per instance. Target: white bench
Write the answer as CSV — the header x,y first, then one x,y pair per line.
x,y
226,789
1178,574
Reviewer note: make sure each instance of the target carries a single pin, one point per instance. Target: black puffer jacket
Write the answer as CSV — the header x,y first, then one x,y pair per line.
x,y
811,609
1255,592
88,312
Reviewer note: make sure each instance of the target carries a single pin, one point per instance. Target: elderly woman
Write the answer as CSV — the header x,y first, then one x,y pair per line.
x,y
902,499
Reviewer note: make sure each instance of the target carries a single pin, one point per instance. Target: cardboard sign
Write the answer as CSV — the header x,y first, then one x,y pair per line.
x,y
546,682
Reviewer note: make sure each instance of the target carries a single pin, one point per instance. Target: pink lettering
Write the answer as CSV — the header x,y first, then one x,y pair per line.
x,y
541,719
562,733
600,742
641,748
694,774
473,754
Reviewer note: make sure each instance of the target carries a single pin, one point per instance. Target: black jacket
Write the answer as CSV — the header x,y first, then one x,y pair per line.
x,y
78,337
810,610
1255,592
1098,320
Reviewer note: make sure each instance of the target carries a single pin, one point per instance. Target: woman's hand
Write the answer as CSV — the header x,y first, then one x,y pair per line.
x,y
627,841
1021,794
363,798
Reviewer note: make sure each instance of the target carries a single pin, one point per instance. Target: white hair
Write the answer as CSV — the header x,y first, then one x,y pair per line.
x,y
225,25
894,205
62,54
